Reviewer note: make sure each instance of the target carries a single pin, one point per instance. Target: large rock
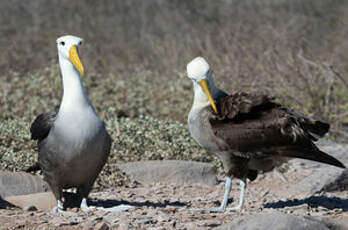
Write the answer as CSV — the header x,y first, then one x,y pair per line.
x,y
339,183
172,171
326,178
20,183
323,177
276,220
334,149
41,201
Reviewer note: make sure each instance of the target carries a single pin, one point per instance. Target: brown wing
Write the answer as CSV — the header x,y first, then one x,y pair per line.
x,y
255,126
39,130
241,104
42,125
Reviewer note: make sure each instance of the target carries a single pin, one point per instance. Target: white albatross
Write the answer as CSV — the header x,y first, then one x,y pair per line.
x,y
73,144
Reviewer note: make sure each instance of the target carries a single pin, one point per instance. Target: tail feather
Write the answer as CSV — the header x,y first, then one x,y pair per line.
x,y
316,130
317,155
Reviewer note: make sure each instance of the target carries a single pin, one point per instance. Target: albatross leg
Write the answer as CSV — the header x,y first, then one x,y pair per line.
x,y
222,208
58,208
84,206
243,184
58,194
83,191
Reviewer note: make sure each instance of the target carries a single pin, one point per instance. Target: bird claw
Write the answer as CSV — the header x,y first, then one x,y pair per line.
x,y
84,207
55,210
217,209
209,210
119,208
234,209
88,208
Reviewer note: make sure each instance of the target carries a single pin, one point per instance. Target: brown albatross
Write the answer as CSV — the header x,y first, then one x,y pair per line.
x,y
73,144
248,132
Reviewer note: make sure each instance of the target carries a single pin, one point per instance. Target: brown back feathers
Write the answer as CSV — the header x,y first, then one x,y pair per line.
x,y
255,126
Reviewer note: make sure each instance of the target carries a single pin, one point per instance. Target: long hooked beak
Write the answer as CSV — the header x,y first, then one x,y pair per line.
x,y
204,85
75,59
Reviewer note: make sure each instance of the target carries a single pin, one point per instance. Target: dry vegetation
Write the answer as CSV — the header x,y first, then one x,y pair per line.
x,y
294,49
142,138
136,51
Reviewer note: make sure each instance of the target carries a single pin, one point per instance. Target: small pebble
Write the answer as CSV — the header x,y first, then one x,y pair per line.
x,y
30,208
101,226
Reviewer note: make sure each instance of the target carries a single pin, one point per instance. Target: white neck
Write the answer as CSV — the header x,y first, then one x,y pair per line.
x,y
200,98
74,96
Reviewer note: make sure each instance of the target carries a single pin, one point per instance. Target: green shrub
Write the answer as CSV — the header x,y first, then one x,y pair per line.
x,y
135,139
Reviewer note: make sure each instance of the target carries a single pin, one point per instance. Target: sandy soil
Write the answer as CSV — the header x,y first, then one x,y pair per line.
x,y
166,206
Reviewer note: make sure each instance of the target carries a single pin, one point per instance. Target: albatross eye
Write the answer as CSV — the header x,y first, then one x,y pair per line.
x,y
62,43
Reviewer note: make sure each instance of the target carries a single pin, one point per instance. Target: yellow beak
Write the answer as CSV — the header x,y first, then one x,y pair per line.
x,y
74,58
204,85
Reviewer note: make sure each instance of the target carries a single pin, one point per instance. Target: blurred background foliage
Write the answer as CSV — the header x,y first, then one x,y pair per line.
x,y
296,50
136,51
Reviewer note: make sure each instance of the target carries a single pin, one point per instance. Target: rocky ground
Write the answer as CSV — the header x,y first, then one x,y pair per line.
x,y
307,195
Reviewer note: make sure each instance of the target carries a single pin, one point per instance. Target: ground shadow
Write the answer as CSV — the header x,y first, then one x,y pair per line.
x,y
72,200
4,204
111,203
313,202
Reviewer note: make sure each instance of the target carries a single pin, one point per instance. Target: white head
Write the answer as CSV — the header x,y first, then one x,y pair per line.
x,y
197,69
199,72
68,49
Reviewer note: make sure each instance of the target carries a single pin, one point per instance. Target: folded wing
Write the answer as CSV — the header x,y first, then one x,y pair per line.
x,y
42,125
255,126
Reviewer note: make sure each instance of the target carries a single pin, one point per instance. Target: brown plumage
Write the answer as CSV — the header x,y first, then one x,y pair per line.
x,y
249,132
42,125
39,130
256,127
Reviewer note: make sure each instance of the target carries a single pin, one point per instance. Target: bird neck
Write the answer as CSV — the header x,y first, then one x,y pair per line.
x,y
74,95
200,98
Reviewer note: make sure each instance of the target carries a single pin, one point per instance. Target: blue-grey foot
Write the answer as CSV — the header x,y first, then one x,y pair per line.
x,y
56,209
118,208
222,208
84,207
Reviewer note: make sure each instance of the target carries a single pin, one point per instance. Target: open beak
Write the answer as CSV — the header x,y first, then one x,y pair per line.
x,y
204,85
74,58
